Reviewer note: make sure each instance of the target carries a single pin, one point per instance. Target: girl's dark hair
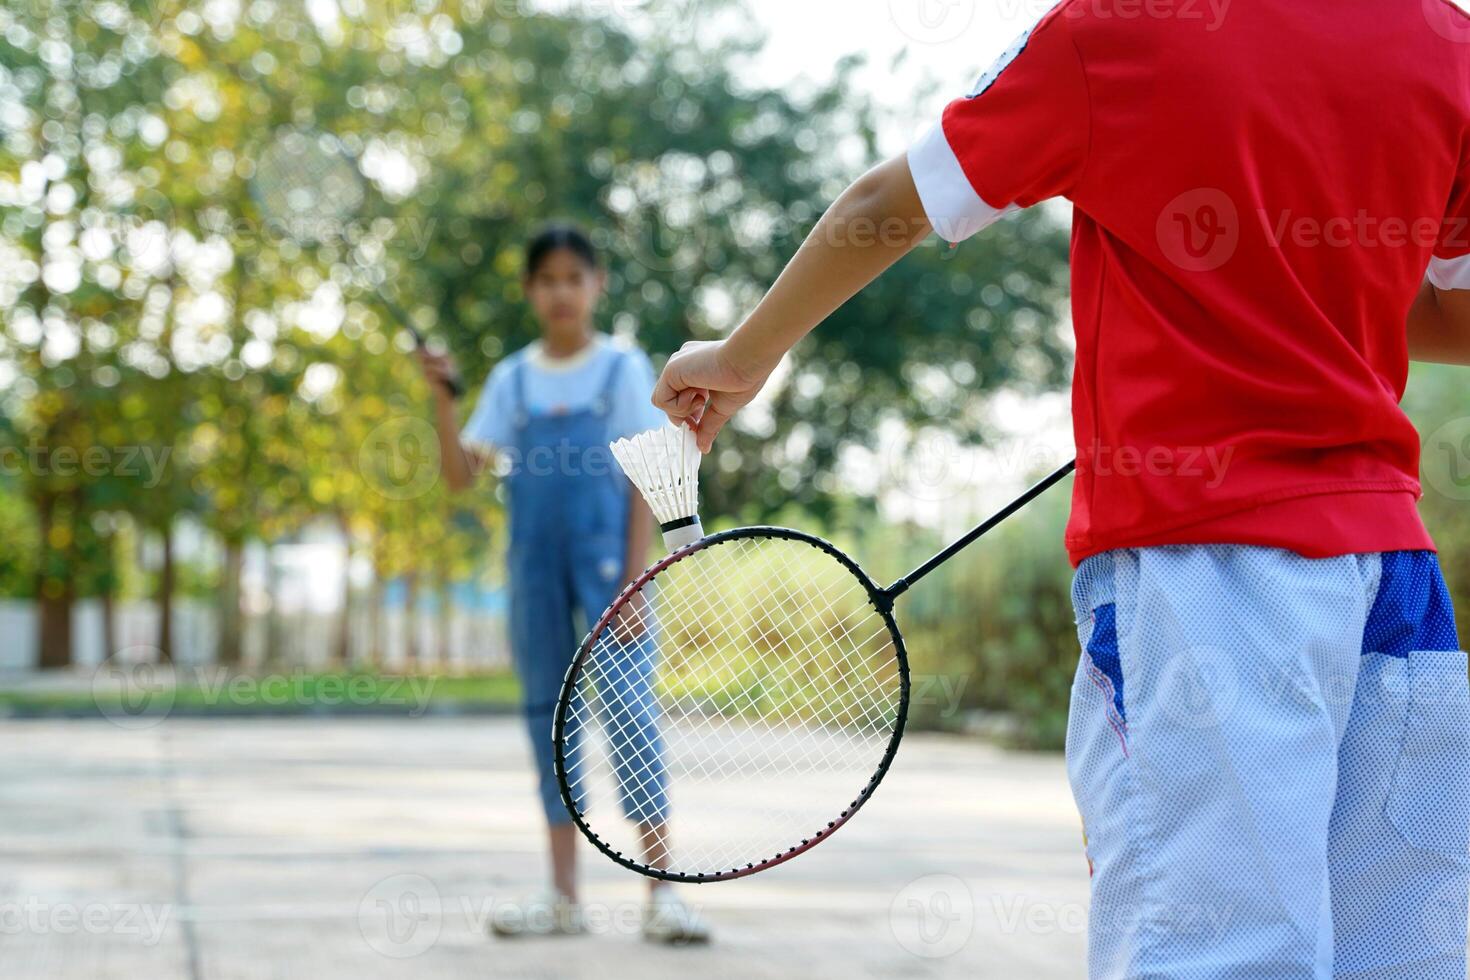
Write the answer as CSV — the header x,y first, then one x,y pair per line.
x,y
554,238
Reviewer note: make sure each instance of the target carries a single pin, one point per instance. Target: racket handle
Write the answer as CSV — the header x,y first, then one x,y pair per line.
x,y
453,384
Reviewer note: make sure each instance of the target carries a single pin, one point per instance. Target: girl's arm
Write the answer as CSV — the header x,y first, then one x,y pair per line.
x,y
1439,326
632,620
876,221
640,533
459,466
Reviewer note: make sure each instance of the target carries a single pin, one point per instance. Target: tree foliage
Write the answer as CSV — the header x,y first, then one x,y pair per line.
x,y
153,311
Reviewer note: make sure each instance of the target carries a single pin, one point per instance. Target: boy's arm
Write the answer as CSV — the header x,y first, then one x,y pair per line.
x,y
1439,326
1022,134
876,221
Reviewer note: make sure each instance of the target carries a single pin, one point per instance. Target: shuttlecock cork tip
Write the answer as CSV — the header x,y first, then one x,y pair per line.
x,y
663,464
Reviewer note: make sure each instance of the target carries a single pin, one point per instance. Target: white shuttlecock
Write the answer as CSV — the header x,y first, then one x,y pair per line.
x,y
664,465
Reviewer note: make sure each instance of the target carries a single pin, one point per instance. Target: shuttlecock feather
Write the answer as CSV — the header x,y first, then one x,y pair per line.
x,y
664,465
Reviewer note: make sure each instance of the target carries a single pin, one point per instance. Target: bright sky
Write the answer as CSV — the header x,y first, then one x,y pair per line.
x,y
951,41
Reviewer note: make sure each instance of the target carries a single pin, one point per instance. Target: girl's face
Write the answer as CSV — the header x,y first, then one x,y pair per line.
x,y
563,291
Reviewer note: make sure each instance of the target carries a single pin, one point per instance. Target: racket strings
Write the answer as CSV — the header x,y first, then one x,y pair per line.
x,y
305,182
726,726
743,671
776,706
763,718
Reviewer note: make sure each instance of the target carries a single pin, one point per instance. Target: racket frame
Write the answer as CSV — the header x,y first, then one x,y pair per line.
x,y
454,384
879,598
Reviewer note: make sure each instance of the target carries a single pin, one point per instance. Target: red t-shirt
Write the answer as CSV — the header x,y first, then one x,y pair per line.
x,y
1259,191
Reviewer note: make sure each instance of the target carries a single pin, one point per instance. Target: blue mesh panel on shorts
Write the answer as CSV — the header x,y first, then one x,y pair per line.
x,y
1412,610
1103,649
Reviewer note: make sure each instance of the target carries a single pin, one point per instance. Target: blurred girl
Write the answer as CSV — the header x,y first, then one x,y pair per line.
x,y
578,535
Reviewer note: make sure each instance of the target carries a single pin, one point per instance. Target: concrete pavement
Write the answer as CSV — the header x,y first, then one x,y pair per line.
x,y
367,849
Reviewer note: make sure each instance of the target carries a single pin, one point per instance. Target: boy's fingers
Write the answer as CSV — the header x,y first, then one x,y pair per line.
x,y
666,391
710,424
688,400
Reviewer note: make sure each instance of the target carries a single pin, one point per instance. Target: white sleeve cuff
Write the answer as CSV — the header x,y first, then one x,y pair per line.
x,y
950,202
1450,273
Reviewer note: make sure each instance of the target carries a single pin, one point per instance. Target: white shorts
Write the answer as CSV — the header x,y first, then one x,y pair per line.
x,y
1272,759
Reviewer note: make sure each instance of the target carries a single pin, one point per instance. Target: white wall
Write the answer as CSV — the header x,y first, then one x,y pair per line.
x,y
307,639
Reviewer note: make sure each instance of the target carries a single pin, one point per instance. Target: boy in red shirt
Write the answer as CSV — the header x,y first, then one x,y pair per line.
x,y
1270,728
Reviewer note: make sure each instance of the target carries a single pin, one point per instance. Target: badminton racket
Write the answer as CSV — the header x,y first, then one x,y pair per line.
x,y
309,185
738,703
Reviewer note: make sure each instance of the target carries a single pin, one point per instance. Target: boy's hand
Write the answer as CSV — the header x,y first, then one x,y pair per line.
x,y
706,383
703,386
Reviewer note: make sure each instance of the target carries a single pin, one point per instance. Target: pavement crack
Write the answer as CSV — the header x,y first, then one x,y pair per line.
x,y
178,831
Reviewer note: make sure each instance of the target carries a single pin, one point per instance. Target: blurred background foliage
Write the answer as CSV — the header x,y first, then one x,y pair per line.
x,y
148,305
